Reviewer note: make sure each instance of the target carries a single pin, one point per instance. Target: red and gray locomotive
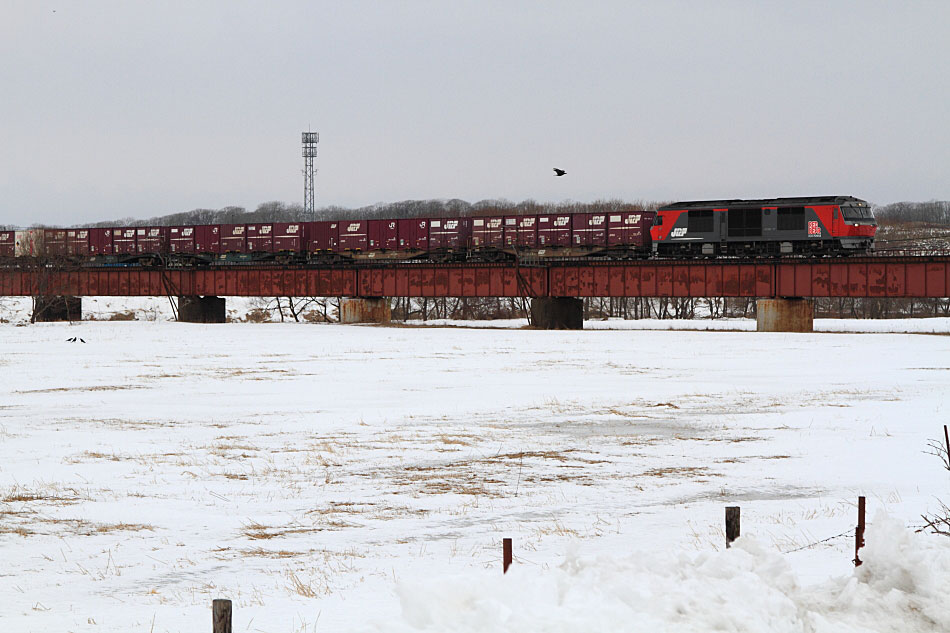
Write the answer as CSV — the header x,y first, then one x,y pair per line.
x,y
831,225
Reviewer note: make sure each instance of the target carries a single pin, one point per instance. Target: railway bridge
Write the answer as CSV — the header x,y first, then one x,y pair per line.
x,y
554,288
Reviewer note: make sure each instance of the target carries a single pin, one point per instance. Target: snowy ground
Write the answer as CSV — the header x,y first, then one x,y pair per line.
x,y
338,478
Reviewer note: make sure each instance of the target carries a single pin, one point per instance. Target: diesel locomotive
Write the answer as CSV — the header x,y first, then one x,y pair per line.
x,y
832,225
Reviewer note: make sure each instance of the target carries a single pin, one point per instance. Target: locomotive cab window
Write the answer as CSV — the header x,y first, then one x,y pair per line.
x,y
856,213
791,219
699,221
658,220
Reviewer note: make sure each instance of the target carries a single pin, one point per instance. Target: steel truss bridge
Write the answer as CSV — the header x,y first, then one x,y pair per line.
x,y
868,277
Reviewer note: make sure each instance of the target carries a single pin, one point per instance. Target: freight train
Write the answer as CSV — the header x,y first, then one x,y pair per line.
x,y
837,225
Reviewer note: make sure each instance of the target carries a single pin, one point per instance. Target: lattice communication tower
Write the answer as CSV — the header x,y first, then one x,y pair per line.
x,y
310,140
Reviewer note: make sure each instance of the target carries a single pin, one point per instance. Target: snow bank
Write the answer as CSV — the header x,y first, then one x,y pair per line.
x,y
900,587
937,325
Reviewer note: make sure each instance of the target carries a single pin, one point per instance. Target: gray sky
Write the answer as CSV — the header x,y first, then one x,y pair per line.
x,y
119,108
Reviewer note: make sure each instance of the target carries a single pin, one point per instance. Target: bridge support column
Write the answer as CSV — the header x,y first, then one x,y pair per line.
x,y
366,310
48,309
194,309
785,315
557,313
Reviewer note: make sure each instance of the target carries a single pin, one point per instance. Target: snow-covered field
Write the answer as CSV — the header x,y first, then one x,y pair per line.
x,y
333,478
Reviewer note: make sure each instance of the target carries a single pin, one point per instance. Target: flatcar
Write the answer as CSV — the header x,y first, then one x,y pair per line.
x,y
829,225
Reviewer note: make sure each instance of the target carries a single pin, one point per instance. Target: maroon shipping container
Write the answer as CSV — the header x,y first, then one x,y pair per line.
x,y
100,242
413,234
181,239
123,241
150,239
450,233
208,239
629,228
7,244
354,235
233,238
554,230
288,236
55,242
528,231
77,242
488,232
260,238
589,229
383,235
323,236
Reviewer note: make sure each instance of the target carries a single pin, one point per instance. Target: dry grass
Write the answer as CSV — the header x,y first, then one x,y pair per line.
x,y
82,389
301,588
679,471
53,496
260,552
258,531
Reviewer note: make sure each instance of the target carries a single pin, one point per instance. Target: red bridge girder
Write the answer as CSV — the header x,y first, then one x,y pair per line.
x,y
903,277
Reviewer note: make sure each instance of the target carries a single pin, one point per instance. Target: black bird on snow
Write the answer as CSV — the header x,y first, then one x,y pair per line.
x,y
71,340
81,341
559,172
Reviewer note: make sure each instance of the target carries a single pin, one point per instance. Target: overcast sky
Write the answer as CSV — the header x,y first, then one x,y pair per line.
x,y
121,108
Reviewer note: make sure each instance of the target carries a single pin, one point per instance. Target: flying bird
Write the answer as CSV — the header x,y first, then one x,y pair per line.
x,y
559,172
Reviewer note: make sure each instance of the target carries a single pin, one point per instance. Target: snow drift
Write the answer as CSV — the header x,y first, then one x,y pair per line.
x,y
901,586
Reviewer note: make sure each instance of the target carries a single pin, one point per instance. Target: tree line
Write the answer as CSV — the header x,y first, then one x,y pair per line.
x,y
276,211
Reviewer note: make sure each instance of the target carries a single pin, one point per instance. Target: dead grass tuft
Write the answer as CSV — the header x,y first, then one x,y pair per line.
x,y
679,471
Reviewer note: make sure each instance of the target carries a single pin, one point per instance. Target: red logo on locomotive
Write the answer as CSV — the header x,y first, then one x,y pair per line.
x,y
814,228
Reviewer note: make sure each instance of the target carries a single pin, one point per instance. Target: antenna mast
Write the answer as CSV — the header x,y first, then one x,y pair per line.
x,y
310,140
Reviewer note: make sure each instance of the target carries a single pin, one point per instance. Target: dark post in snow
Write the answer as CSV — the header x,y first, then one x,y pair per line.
x,y
859,532
732,524
946,439
221,616
506,555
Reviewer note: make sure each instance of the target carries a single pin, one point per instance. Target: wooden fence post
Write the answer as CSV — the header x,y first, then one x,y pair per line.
x,y
506,555
732,524
221,616
859,532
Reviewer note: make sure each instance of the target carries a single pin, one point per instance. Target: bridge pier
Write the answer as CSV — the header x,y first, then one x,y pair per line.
x,y
557,313
195,309
48,309
785,315
366,310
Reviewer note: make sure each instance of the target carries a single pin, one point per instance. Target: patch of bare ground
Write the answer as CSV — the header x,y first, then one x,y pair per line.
x,y
35,524
258,531
679,471
89,388
254,374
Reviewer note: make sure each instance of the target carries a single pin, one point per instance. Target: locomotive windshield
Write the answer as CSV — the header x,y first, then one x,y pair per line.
x,y
856,212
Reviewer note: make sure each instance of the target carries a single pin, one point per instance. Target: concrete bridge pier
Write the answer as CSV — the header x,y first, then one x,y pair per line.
x,y
48,309
366,310
195,309
789,314
557,313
